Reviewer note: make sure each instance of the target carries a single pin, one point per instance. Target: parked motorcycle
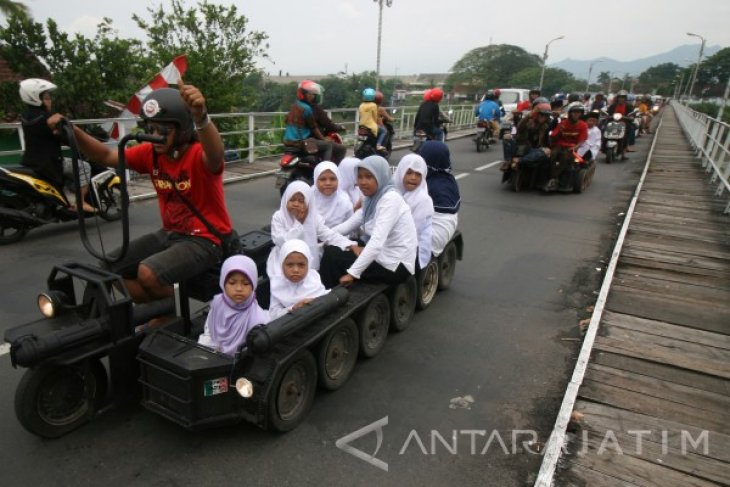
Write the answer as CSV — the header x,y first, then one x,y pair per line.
x,y
298,165
28,201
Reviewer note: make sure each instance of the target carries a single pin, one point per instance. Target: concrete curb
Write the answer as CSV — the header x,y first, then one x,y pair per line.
x,y
262,174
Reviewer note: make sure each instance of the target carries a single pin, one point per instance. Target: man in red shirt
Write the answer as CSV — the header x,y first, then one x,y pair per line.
x,y
566,136
191,160
526,105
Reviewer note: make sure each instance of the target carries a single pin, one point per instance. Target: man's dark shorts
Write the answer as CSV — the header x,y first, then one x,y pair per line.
x,y
171,256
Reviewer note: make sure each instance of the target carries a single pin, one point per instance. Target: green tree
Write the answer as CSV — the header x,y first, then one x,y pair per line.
x,y
491,66
714,73
221,50
9,7
555,80
657,78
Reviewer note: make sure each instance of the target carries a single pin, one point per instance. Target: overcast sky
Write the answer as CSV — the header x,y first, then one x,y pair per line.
x,y
427,36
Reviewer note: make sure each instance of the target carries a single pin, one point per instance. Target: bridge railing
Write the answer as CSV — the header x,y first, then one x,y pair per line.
x,y
248,136
710,138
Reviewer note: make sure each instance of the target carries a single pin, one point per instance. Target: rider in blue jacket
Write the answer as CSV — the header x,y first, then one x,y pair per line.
x,y
488,111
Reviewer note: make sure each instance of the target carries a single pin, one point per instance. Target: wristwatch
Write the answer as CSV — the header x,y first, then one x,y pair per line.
x,y
204,123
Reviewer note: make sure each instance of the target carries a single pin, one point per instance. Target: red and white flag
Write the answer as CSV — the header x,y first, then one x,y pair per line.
x,y
171,74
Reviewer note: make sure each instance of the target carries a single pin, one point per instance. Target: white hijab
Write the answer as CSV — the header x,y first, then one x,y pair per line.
x,y
335,208
418,200
310,224
348,178
420,203
289,293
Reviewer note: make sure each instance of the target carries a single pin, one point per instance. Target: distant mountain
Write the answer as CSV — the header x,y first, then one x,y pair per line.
x,y
679,55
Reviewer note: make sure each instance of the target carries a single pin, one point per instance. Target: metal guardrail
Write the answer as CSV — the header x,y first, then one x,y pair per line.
x,y
247,136
710,138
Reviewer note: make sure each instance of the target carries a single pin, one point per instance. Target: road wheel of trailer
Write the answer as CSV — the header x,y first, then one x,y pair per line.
x,y
373,323
403,304
428,281
292,392
52,400
517,180
581,180
337,355
447,266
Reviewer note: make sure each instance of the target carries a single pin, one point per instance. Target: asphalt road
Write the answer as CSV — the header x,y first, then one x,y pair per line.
x,y
506,333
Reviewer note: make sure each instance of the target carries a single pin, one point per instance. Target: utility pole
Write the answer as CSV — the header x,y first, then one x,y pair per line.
x,y
388,3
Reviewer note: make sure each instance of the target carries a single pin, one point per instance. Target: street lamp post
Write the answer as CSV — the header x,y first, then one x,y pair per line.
x,y
544,59
388,3
697,66
590,70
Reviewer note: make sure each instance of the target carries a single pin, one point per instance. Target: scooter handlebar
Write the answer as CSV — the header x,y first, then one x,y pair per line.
x,y
155,139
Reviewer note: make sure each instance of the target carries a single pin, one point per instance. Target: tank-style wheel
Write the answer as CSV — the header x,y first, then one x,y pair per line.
x,y
447,266
581,181
52,400
403,304
337,355
373,322
292,392
428,281
517,179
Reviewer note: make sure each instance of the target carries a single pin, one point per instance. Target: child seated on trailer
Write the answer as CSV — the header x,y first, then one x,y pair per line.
x,y
410,179
590,147
348,181
234,311
297,218
333,205
297,284
387,228
444,192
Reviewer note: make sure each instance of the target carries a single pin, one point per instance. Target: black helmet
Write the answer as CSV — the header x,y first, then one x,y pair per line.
x,y
538,100
166,105
573,97
576,107
535,90
489,95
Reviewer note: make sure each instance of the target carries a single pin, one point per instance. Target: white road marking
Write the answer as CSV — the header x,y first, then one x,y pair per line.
x,y
4,349
462,175
487,166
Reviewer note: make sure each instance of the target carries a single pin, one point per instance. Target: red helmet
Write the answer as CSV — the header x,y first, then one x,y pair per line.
x,y
308,86
497,92
437,94
427,95
378,97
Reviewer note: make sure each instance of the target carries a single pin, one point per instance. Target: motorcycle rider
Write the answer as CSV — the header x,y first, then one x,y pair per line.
x,y
488,113
43,143
324,122
531,142
599,102
565,138
620,105
189,164
301,127
526,105
646,115
368,112
385,120
427,116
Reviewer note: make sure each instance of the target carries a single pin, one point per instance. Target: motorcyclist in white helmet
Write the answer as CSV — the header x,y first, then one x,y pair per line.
x,y
43,142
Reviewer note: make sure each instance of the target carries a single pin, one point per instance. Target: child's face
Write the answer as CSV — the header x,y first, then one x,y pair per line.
x,y
296,204
412,180
327,183
238,287
591,122
366,182
295,267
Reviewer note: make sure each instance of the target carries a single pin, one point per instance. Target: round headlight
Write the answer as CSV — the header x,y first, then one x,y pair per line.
x,y
46,305
244,387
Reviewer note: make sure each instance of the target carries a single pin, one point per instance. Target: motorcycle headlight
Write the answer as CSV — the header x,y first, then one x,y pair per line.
x,y
51,303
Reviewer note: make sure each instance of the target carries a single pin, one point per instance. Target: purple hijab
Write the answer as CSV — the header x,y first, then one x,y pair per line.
x,y
228,322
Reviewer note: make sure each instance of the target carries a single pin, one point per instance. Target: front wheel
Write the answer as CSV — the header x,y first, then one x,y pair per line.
x,y
610,155
292,393
110,203
52,400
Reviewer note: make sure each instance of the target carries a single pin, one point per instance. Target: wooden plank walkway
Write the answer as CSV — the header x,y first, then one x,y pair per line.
x,y
654,405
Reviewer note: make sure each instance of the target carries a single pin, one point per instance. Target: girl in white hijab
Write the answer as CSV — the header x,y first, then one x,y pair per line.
x,y
333,204
410,179
297,284
348,180
297,217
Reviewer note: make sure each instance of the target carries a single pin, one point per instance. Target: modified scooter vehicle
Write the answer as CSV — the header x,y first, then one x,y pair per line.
x,y
577,178
28,201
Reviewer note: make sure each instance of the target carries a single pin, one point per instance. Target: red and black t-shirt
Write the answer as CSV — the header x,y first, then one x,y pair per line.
x,y
193,180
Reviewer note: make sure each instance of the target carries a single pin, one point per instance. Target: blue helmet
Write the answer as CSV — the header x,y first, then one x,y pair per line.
x,y
368,94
